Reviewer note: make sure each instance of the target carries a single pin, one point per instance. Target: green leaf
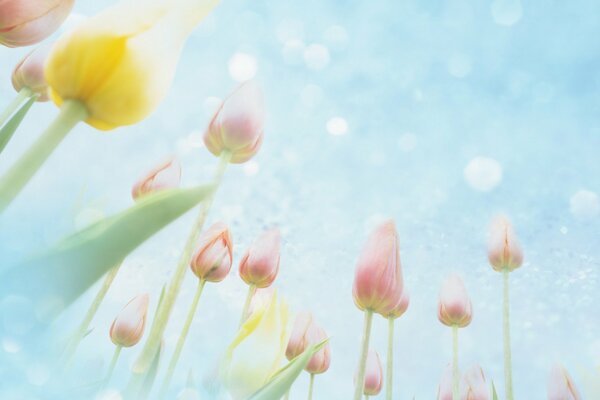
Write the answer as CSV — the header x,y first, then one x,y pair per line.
x,y
7,131
283,380
494,394
57,277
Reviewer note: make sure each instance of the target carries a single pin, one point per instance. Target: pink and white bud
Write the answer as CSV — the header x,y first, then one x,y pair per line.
x,y
454,306
400,307
473,385
373,374
128,328
561,385
260,264
166,176
26,22
238,125
378,280
504,250
29,73
307,333
445,387
213,259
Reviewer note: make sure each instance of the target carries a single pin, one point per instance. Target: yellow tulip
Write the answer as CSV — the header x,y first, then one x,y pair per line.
x,y
258,350
120,63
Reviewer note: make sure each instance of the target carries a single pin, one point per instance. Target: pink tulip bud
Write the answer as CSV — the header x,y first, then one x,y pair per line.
x,y
561,386
373,374
260,264
238,125
378,280
473,385
29,73
166,176
504,251
400,307
445,387
454,305
26,22
307,333
127,329
213,259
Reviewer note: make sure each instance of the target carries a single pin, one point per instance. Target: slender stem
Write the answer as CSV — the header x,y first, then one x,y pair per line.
x,y
287,395
13,181
366,397
390,359
251,291
507,352
311,385
89,315
23,95
181,340
362,364
164,311
113,363
455,371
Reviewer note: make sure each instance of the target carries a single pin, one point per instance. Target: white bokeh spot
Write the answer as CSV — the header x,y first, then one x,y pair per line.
x,y
483,173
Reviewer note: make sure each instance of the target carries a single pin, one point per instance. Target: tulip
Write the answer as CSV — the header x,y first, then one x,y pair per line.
x,y
374,375
561,385
166,176
238,124
392,314
304,334
28,75
127,329
445,387
504,250
212,261
257,351
260,264
474,386
26,22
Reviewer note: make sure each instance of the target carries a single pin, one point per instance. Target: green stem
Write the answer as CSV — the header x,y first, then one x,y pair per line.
x,y
89,315
181,340
113,363
251,291
311,385
362,364
455,371
507,352
23,95
390,359
13,181
287,395
166,307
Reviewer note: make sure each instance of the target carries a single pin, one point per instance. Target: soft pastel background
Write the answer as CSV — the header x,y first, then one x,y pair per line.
x,y
438,114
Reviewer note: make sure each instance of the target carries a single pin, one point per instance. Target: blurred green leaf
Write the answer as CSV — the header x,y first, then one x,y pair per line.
x,y
7,131
494,393
283,380
57,277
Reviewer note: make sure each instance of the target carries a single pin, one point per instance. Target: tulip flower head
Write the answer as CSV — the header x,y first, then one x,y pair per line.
x,y
504,250
561,385
257,351
238,125
306,333
127,329
445,387
213,259
454,306
166,176
26,22
260,264
474,386
378,280
373,374
29,73
120,63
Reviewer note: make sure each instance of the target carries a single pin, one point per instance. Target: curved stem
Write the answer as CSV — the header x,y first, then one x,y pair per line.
x,y
507,352
390,360
311,385
166,307
113,363
23,95
362,364
251,291
455,371
13,181
181,340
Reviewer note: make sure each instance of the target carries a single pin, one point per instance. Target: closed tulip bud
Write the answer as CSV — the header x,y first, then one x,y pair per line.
x,y
260,264
238,125
504,251
212,261
445,387
166,176
29,73
306,333
373,374
26,22
474,386
454,304
400,307
128,328
120,63
378,280
561,385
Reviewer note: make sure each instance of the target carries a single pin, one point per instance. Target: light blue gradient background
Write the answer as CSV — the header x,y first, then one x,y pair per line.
x,y
530,100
